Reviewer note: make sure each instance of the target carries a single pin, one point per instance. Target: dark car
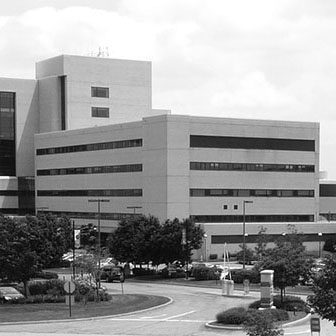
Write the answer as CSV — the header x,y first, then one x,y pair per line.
x,y
110,273
10,294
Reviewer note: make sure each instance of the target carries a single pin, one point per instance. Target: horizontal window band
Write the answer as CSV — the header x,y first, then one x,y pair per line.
x,y
9,193
327,190
90,215
90,147
130,168
252,218
91,192
264,167
251,193
209,141
250,239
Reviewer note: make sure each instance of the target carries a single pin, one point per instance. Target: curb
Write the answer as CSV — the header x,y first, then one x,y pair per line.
x,y
90,318
227,327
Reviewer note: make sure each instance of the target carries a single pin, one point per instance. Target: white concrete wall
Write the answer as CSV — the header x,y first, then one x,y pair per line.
x,y
129,83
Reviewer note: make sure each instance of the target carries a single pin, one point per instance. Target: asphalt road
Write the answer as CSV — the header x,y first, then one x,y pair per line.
x,y
191,308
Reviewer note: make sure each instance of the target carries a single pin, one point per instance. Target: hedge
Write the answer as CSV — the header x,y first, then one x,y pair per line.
x,y
239,275
290,303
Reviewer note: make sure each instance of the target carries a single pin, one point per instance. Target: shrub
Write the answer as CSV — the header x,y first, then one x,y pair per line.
x,y
206,273
290,303
239,275
46,275
143,271
44,287
235,315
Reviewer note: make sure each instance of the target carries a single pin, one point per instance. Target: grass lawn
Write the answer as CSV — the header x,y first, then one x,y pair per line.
x,y
58,311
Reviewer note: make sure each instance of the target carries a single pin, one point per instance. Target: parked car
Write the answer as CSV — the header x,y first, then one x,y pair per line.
x,y
9,294
111,272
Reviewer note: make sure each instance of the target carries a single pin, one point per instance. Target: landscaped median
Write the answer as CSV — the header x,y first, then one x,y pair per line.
x,y
119,304
292,309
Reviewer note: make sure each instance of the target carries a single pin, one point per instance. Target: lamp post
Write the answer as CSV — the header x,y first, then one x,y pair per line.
x,y
244,236
98,200
205,236
319,239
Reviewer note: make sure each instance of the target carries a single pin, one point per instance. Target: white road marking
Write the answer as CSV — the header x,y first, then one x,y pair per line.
x,y
150,317
187,313
155,320
297,332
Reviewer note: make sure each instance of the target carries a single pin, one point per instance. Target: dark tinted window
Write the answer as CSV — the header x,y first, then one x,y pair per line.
x,y
7,134
204,141
327,190
100,112
100,92
90,147
91,192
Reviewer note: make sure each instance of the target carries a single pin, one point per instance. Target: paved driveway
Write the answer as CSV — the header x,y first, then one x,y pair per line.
x,y
191,308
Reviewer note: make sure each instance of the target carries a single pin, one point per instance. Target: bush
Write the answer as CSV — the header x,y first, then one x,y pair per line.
x,y
179,273
240,315
206,273
290,303
44,287
239,275
46,275
235,315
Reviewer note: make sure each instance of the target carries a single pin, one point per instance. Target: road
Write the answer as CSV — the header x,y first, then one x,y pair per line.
x,y
191,308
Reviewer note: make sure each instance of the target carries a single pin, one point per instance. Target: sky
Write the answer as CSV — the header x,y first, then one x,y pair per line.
x,y
254,59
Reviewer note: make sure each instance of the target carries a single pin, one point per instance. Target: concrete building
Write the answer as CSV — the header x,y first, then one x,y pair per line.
x,y
97,136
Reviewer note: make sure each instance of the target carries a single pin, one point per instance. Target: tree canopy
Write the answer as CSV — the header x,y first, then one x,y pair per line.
x,y
144,239
29,244
324,288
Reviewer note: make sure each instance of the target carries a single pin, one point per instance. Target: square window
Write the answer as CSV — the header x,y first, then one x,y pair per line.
x,y
235,207
225,206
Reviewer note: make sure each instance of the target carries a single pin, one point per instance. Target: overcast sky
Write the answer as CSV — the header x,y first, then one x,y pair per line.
x,y
260,59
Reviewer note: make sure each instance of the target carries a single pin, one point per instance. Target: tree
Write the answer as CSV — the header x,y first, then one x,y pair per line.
x,y
31,243
88,236
249,255
262,240
288,261
324,288
330,244
135,239
18,260
144,239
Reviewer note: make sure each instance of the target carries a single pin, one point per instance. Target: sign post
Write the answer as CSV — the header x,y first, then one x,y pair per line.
x,y
69,288
315,325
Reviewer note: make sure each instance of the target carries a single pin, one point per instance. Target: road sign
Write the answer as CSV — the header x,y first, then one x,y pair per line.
x,y
69,287
315,324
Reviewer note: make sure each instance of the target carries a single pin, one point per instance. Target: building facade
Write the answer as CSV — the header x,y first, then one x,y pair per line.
x,y
85,129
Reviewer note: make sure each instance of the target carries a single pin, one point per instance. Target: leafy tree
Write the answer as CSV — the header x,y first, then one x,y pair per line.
x,y
18,260
330,244
88,236
171,247
29,244
262,240
249,255
288,261
144,239
135,239
260,323
324,288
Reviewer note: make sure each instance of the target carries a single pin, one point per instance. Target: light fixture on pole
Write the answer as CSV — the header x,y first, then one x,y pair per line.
x,y
244,236
205,236
320,238
99,200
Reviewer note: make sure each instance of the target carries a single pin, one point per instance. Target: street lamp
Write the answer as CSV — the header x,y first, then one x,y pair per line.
x,y
244,236
205,236
99,200
320,238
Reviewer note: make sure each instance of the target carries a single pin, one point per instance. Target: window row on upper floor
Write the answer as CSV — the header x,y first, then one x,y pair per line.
x,y
298,168
251,193
129,168
90,147
91,192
